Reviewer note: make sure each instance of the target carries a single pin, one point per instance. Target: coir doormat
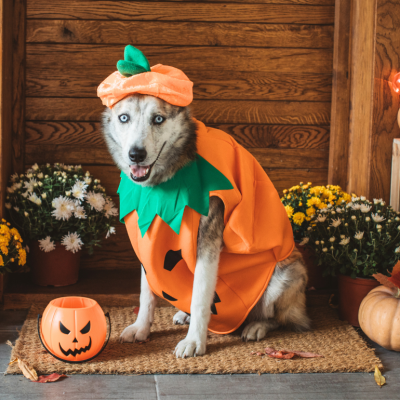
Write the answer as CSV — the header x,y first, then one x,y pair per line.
x,y
343,349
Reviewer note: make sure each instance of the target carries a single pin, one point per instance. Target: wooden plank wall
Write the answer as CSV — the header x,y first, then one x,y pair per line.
x,y
262,71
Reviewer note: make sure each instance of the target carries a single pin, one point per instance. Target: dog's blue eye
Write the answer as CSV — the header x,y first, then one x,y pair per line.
x,y
159,119
124,118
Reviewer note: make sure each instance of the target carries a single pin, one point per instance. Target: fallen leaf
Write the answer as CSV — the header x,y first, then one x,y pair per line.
x,y
379,378
384,280
281,354
395,279
50,378
27,370
256,353
136,310
304,354
287,354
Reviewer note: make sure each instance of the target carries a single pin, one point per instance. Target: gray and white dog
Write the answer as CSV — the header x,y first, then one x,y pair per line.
x,y
150,140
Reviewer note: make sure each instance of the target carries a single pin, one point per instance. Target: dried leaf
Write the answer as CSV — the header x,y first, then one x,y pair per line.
x,y
384,280
256,353
281,354
379,378
27,370
287,354
330,303
136,310
395,279
50,378
304,354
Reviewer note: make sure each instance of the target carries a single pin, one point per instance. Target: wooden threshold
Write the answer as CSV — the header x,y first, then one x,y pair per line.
x,y
107,287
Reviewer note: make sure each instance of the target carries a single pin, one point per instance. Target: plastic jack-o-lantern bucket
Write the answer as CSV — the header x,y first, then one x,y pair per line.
x,y
73,329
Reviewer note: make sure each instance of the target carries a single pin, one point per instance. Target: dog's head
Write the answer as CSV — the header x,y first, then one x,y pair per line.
x,y
148,138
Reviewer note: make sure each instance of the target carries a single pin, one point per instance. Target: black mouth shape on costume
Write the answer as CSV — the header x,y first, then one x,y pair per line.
x,y
77,351
145,177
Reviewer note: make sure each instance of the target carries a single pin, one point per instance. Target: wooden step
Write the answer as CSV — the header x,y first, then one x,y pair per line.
x,y
118,287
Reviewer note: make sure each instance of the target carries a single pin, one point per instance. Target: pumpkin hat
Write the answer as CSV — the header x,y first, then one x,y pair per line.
x,y
135,75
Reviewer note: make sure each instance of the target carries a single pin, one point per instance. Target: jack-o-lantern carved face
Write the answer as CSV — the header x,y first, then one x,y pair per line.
x,y
73,328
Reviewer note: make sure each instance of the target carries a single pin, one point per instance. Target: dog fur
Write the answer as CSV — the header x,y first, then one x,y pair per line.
x,y
171,145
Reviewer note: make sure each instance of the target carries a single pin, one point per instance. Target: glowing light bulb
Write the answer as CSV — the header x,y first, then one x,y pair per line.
x,y
396,82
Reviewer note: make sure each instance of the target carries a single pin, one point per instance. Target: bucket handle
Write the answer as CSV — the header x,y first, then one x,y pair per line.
x,y
107,315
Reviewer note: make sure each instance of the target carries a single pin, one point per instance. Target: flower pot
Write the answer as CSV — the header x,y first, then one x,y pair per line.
x,y
351,294
59,267
314,271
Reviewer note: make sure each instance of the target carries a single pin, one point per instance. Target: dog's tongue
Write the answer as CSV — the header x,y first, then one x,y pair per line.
x,y
139,170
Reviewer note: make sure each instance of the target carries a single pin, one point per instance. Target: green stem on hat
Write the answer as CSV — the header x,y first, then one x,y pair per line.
x,y
135,62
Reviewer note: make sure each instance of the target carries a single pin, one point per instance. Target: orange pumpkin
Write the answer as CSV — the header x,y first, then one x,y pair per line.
x,y
379,317
73,329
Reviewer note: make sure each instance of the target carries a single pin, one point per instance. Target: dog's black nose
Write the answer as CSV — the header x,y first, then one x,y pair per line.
x,y
137,155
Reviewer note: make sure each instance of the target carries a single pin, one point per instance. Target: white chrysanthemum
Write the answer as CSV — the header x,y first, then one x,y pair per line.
x,y
332,239
87,180
30,185
344,241
363,198
348,205
321,218
365,209
72,242
35,199
63,208
109,209
335,222
79,212
15,186
96,201
14,177
35,167
79,190
47,244
377,218
397,250
359,235
339,210
111,231
325,249
304,241
377,201
355,199
356,206
8,206
40,175
16,208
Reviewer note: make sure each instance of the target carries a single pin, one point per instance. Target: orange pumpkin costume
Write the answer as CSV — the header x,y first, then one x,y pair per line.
x,y
257,235
163,221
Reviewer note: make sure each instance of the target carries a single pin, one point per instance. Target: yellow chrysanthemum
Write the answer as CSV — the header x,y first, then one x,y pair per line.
x,y
316,190
300,204
16,234
285,191
289,210
293,188
21,257
346,197
4,240
322,205
1,261
308,218
332,199
4,249
314,201
305,187
310,211
339,201
298,218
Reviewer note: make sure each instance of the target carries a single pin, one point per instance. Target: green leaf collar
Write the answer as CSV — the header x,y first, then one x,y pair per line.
x,y
190,186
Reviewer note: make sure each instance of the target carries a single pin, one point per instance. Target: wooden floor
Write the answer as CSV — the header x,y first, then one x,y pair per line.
x,y
355,386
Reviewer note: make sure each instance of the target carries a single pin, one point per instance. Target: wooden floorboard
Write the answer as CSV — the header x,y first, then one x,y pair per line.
x,y
355,386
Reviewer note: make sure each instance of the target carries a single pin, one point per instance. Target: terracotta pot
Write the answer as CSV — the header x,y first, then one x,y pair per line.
x,y
314,271
59,267
351,294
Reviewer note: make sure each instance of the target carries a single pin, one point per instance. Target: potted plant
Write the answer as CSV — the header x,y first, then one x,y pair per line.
x,y
301,203
59,210
355,241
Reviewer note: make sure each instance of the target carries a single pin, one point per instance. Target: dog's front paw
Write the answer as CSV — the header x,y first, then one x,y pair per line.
x,y
189,347
181,318
254,331
134,333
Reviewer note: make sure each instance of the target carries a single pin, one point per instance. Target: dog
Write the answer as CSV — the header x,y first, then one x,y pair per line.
x,y
150,140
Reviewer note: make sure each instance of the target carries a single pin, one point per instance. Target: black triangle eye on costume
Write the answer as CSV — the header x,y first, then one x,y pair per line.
x,y
63,329
86,329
